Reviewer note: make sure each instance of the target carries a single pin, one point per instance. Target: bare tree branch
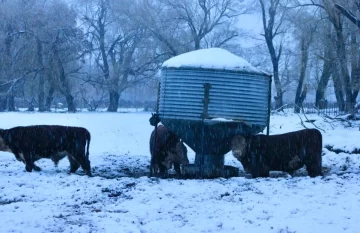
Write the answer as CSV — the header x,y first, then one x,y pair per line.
x,y
348,14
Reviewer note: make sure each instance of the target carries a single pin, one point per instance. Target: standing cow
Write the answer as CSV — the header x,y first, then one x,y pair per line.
x,y
168,149
31,143
287,152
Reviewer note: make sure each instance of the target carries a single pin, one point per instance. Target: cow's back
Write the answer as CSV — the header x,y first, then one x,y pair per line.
x,y
278,150
163,137
43,139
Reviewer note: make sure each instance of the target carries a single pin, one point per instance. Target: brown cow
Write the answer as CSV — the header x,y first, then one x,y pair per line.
x,y
260,154
168,150
31,143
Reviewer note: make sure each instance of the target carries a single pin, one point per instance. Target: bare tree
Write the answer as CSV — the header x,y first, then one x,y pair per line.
x,y
66,48
182,26
203,16
354,57
162,21
272,23
43,44
350,14
346,83
16,63
327,57
305,30
334,16
123,50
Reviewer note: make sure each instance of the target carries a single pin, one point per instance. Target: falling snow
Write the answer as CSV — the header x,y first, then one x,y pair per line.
x,y
121,198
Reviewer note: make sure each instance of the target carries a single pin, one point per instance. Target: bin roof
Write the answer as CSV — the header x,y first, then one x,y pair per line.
x,y
212,58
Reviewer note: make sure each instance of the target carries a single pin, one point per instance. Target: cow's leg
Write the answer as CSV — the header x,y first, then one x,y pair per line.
x,y
36,168
255,164
258,166
29,163
20,157
74,165
153,169
83,161
162,171
85,165
313,165
294,164
157,169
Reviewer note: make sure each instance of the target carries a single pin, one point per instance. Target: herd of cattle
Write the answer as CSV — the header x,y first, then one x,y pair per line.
x,y
258,154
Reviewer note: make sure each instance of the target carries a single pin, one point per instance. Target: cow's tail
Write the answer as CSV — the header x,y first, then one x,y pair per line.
x,y
153,167
88,138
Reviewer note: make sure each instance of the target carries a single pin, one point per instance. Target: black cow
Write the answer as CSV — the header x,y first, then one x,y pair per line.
x,y
287,152
167,150
31,143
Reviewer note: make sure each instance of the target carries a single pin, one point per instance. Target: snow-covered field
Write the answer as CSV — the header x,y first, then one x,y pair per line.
x,y
121,198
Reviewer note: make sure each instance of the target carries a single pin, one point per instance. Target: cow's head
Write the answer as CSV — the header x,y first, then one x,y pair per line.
x,y
176,154
3,145
238,147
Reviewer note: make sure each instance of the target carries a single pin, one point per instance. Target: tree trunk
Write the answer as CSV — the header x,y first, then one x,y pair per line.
x,y
7,61
325,76
355,71
114,101
299,99
341,52
50,97
64,84
355,78
320,91
301,94
70,102
339,94
197,43
279,101
41,95
11,102
275,62
3,103
31,107
344,76
269,28
279,93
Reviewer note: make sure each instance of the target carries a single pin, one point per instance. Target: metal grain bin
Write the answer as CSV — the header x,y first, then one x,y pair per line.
x,y
233,95
207,97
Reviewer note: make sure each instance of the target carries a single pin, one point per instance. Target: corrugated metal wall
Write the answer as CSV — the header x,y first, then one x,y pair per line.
x,y
233,95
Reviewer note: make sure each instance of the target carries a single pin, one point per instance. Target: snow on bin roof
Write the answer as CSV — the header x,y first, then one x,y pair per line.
x,y
212,58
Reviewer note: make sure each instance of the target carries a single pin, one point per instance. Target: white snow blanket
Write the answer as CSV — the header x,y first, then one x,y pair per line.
x,y
121,198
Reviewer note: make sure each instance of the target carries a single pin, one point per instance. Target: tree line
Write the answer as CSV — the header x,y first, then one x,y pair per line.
x,y
327,37
92,51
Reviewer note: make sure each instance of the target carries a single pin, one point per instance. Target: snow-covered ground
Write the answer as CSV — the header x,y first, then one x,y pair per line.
x,y
121,198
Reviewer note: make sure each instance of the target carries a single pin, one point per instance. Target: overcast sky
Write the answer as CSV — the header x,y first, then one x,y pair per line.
x,y
253,24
